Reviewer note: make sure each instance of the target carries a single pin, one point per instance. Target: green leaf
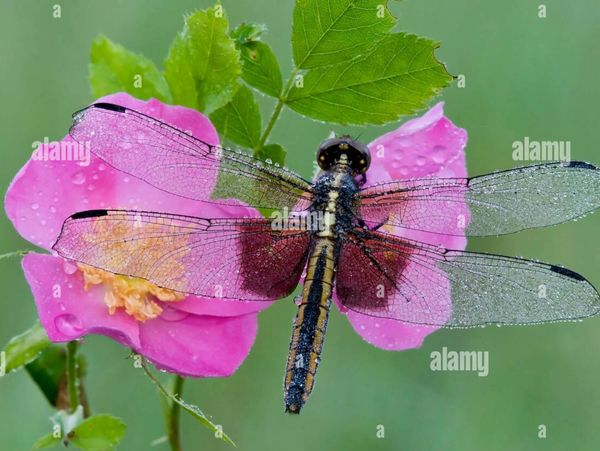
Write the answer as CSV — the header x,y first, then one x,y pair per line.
x,y
240,119
203,64
272,152
25,348
113,68
248,32
48,371
98,433
260,68
47,441
397,77
335,31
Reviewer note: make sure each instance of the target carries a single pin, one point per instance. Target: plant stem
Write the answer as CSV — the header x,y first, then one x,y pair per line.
x,y
277,111
13,254
173,423
72,377
172,409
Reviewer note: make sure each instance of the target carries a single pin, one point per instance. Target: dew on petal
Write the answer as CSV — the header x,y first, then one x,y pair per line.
x,y
171,314
69,267
68,325
35,206
438,154
78,178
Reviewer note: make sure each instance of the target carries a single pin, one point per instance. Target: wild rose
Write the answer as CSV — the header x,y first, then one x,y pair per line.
x,y
184,334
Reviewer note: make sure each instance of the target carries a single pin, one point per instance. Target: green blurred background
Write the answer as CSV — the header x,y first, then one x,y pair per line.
x,y
525,76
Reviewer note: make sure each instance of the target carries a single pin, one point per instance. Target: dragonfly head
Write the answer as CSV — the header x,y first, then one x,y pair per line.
x,y
357,153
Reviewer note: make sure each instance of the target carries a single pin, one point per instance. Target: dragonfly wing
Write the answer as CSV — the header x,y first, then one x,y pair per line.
x,y
385,276
494,204
242,259
175,162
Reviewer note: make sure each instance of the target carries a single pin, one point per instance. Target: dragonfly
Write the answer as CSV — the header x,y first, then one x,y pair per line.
x,y
351,246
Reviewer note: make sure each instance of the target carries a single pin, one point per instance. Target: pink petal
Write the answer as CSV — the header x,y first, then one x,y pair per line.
x,y
198,346
44,193
219,307
389,334
66,311
187,344
428,146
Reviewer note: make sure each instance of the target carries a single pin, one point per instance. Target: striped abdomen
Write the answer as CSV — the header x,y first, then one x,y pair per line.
x,y
310,325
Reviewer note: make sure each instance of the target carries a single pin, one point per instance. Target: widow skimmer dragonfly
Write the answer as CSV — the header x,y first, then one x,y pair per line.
x,y
347,249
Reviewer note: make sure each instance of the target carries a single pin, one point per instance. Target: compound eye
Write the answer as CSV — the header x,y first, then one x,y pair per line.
x,y
325,158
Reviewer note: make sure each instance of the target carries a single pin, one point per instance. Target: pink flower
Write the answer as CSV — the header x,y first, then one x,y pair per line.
x,y
428,146
186,335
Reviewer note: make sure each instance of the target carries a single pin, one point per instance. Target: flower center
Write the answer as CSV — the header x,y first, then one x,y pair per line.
x,y
136,296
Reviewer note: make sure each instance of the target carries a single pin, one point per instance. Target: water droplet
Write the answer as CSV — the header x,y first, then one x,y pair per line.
x,y
78,178
90,187
101,167
421,161
171,314
298,300
126,179
35,206
69,267
437,154
68,325
52,209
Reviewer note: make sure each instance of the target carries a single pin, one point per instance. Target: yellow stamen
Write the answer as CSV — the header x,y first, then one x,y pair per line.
x,y
137,296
